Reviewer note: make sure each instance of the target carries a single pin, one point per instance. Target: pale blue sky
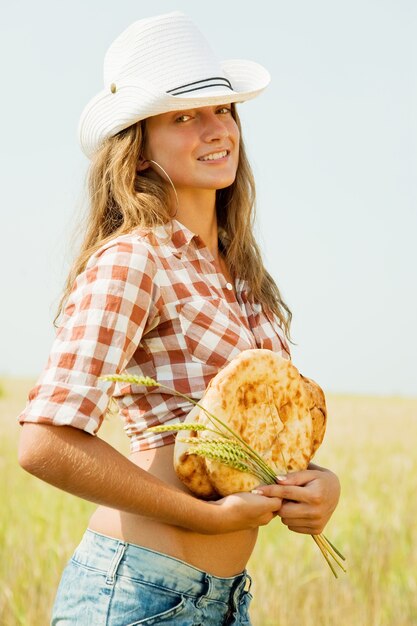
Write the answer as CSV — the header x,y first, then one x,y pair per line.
x,y
333,146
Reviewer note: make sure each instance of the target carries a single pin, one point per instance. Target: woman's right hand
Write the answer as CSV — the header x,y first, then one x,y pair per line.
x,y
242,511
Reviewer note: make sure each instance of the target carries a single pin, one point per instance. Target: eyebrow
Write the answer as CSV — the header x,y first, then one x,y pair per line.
x,y
184,111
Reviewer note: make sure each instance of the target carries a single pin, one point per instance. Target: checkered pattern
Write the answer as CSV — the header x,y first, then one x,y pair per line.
x,y
151,305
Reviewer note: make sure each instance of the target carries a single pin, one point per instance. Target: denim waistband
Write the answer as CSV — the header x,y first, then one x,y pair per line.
x,y
109,555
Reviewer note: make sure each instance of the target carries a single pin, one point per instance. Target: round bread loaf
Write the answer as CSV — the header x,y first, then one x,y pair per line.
x,y
268,403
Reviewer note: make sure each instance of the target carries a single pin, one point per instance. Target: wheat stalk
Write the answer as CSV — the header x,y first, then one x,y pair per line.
x,y
224,451
166,428
230,450
221,452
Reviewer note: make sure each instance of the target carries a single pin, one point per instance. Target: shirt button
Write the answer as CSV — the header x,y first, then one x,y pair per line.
x,y
229,286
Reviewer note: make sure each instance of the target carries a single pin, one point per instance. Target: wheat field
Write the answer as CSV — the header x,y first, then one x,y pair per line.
x,y
371,443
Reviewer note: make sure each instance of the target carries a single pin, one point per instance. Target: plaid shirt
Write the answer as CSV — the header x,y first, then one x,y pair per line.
x,y
150,304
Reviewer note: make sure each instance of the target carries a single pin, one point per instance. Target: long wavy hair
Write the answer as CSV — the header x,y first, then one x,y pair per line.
x,y
121,199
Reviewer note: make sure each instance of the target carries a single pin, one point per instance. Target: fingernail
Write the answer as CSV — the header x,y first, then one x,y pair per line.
x,y
257,492
281,477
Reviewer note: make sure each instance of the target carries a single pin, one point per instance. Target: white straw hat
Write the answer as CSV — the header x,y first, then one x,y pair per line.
x,y
162,64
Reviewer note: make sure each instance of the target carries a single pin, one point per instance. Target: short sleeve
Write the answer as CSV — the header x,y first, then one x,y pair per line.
x,y
109,309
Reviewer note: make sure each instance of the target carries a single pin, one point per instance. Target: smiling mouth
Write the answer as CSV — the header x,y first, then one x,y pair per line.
x,y
215,156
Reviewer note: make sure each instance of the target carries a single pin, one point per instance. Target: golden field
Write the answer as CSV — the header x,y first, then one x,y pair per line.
x,y
371,443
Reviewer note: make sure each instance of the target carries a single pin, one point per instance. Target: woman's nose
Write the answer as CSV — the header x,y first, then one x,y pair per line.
x,y
214,128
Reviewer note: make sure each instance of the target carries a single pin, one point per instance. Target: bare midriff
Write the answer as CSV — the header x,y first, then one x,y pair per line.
x,y
221,555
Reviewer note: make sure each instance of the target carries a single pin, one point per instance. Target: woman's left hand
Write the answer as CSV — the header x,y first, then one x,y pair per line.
x,y
309,498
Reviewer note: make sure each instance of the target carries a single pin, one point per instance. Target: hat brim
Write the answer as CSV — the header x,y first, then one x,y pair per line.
x,y
108,113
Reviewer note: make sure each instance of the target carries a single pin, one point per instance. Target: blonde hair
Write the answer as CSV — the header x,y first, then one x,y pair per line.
x,y
122,199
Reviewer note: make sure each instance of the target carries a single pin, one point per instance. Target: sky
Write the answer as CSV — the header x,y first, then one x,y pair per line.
x,y
332,142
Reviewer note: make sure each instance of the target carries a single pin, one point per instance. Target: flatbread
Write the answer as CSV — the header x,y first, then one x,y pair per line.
x,y
266,401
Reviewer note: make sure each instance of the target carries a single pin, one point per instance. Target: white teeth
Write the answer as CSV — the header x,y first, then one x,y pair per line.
x,y
214,156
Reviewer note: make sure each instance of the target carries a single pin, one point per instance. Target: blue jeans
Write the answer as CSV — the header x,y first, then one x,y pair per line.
x,y
109,582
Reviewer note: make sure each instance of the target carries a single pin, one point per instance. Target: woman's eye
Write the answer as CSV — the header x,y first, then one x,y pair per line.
x,y
182,118
185,116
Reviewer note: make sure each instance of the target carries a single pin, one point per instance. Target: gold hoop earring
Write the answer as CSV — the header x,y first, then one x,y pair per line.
x,y
169,178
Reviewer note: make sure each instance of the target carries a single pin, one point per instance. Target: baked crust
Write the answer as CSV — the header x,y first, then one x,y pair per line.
x,y
266,401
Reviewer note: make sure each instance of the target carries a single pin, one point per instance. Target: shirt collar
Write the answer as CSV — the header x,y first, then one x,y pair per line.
x,y
177,236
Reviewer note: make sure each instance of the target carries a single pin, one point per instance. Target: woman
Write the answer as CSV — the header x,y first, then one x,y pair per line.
x,y
169,283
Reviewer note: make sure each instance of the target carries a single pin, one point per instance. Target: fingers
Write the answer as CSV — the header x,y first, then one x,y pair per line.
x,y
309,498
295,510
306,530
310,526
299,494
244,510
264,509
274,504
299,478
302,518
271,503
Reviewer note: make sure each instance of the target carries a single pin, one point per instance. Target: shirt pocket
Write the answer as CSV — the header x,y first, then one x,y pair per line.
x,y
212,332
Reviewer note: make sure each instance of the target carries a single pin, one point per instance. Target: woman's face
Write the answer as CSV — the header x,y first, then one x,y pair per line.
x,y
198,148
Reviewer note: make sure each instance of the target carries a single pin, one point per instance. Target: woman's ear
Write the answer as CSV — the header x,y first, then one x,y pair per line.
x,y
143,164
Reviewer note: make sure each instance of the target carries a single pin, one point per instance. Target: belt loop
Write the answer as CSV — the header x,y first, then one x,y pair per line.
x,y
206,592
118,555
240,589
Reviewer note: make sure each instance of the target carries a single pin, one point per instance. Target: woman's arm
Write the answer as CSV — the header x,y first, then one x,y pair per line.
x,y
89,468
309,498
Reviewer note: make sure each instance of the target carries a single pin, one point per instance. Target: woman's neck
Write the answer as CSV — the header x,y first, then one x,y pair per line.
x,y
197,211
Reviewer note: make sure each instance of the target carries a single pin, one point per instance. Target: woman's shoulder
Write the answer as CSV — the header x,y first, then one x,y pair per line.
x,y
132,248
